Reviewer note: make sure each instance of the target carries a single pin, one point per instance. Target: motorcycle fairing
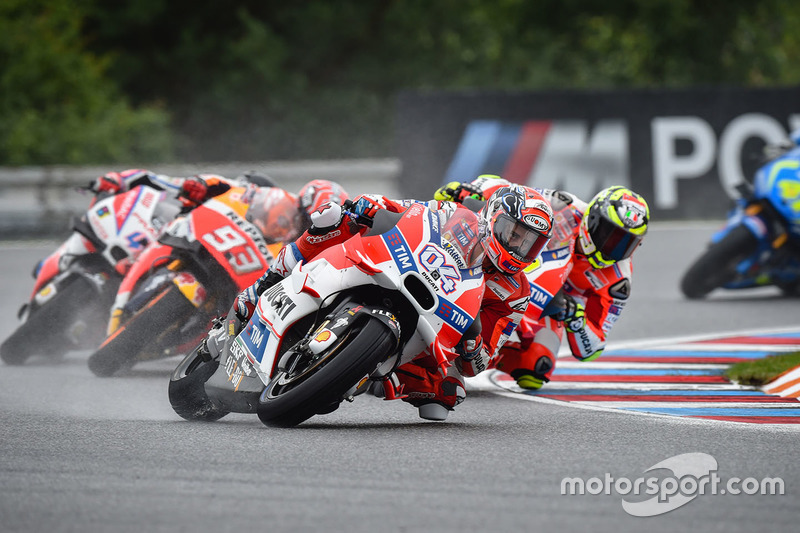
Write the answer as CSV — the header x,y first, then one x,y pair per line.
x,y
123,223
778,182
386,260
232,241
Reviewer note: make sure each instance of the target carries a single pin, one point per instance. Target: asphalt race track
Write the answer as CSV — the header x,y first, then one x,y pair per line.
x,y
81,453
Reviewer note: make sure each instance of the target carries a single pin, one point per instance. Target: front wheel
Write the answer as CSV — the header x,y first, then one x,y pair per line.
x,y
717,266
187,393
47,331
315,385
148,331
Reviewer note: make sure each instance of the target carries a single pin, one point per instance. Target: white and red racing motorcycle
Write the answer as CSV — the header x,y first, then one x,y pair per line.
x,y
408,288
76,284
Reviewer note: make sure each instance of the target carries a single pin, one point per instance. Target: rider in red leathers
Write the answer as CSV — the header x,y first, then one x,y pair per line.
x,y
192,191
516,222
195,190
581,282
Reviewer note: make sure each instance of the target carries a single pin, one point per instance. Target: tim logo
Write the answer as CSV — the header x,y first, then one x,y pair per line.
x,y
453,315
539,298
399,250
254,338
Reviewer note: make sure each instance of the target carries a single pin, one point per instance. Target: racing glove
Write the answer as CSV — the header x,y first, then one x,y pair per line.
x,y
572,314
367,205
457,192
473,357
194,189
109,183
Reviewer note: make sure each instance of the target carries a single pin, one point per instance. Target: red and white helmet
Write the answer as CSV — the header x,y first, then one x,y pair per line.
x,y
274,212
518,223
314,194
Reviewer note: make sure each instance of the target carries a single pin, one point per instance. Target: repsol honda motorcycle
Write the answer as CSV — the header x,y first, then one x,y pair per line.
x,y
192,273
76,284
760,242
408,288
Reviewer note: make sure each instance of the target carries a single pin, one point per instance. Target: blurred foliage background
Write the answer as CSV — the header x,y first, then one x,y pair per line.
x,y
93,81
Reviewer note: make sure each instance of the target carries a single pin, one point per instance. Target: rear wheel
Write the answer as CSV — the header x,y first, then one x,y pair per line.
x,y
48,329
316,385
187,393
151,329
717,266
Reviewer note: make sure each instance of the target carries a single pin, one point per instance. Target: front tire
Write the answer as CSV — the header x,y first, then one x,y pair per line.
x,y
717,266
187,393
315,387
147,331
45,330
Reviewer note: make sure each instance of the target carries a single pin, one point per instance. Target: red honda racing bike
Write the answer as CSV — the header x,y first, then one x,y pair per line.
x,y
193,273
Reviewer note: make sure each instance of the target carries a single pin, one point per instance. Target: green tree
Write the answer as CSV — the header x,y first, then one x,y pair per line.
x,y
268,79
56,105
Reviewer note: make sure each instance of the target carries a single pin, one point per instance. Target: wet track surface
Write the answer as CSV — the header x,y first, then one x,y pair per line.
x,y
81,453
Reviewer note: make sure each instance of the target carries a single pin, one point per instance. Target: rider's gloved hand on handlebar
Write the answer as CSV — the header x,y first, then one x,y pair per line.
x,y
457,192
244,306
194,189
109,183
447,193
572,314
241,311
366,205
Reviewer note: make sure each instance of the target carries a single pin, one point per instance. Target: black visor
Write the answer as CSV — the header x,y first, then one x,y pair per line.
x,y
614,242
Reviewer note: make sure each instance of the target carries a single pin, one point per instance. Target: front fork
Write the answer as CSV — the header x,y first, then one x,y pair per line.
x,y
190,288
336,324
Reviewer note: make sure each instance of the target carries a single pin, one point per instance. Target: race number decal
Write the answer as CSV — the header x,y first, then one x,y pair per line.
x,y
137,240
227,241
435,262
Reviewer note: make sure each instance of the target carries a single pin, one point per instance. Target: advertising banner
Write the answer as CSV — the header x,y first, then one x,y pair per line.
x,y
684,150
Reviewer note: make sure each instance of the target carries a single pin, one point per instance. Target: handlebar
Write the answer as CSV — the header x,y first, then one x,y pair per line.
x,y
347,207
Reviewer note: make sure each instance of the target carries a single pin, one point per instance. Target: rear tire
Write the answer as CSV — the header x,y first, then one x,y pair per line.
x,y
45,330
717,266
355,356
145,331
187,393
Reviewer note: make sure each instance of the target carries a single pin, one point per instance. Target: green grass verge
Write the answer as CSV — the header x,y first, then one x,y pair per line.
x,y
762,371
